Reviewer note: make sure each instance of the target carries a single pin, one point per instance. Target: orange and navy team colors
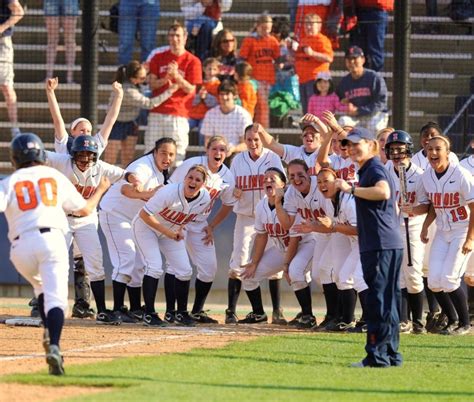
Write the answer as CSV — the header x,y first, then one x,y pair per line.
x,y
307,66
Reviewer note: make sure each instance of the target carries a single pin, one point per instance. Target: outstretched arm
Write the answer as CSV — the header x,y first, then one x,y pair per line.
x,y
268,141
113,112
60,132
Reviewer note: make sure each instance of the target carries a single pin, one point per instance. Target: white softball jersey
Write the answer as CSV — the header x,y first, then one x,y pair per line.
x,y
293,152
61,146
345,168
420,160
249,176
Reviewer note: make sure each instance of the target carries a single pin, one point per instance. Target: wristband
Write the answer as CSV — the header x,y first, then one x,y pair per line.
x,y
126,176
353,187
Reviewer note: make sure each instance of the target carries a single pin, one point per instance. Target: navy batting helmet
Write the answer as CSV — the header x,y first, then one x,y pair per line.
x,y
401,137
85,143
26,148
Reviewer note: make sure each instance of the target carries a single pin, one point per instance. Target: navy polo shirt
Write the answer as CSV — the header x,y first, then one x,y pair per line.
x,y
377,221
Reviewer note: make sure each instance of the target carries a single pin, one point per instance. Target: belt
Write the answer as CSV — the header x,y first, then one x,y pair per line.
x,y
74,216
41,230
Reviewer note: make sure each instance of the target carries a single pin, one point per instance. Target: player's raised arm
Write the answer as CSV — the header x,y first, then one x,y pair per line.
x,y
268,141
60,132
113,112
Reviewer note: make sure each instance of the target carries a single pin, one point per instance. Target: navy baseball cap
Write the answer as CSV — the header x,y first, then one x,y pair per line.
x,y
353,52
357,134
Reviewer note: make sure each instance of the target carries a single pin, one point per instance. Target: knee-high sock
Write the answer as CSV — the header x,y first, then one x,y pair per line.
x,y
41,310
170,294
458,297
134,295
149,286
233,292
274,286
202,290
415,302
470,299
304,299
433,305
55,325
119,294
363,303
255,297
349,300
331,295
404,311
446,305
98,290
182,291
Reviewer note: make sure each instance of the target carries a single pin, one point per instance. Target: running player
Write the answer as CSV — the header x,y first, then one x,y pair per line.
x,y
34,199
162,222
292,253
117,209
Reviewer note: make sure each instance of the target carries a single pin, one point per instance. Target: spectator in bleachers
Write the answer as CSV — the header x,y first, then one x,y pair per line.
x,y
202,19
123,137
10,13
246,87
224,47
364,92
324,97
173,66
227,119
262,50
137,17
206,96
60,13
305,7
314,54
369,33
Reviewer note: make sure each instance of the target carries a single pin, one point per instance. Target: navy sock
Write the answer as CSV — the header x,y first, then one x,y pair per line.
x,y
274,286
433,305
119,294
98,290
55,325
446,305
134,295
149,286
363,303
170,294
331,295
233,292
202,290
41,310
349,300
470,299
458,297
182,291
415,301
304,299
404,312
255,297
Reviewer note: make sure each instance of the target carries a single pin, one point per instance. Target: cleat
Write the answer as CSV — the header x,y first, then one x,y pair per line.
x,y
295,320
230,317
125,316
278,318
340,326
454,329
153,320
33,303
137,314
170,317
54,360
328,320
82,309
418,328
360,328
184,319
107,317
203,318
431,319
307,322
405,327
253,318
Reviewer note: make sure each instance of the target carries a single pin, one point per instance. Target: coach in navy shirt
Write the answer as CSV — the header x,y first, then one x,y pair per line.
x,y
381,249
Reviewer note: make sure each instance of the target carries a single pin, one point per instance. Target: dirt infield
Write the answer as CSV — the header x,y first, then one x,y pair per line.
x,y
83,341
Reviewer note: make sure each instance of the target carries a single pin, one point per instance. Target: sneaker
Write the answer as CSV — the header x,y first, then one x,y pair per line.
x,y
153,320
82,309
457,330
33,303
307,322
54,360
295,320
184,319
107,317
203,318
340,326
125,316
418,328
328,320
230,317
405,327
278,318
170,317
253,318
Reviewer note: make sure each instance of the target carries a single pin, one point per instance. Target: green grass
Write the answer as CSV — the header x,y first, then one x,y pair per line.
x,y
290,367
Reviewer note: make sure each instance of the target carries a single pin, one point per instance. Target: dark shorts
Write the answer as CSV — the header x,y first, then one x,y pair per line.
x,y
122,129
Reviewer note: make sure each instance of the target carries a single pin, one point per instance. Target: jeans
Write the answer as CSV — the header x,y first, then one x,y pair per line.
x,y
204,38
137,16
369,34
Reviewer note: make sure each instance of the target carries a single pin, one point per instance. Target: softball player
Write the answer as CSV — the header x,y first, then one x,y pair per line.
x,y
399,149
34,199
449,189
340,219
117,209
199,234
84,171
162,222
308,151
248,169
292,254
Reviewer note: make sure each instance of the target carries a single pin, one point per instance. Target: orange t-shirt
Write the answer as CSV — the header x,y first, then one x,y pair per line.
x,y
307,66
261,53
248,96
198,111
180,103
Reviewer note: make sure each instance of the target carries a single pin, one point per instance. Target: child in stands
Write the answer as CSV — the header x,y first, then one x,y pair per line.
x,y
246,87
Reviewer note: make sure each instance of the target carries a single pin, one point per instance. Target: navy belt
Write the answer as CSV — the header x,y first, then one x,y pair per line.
x,y
41,230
